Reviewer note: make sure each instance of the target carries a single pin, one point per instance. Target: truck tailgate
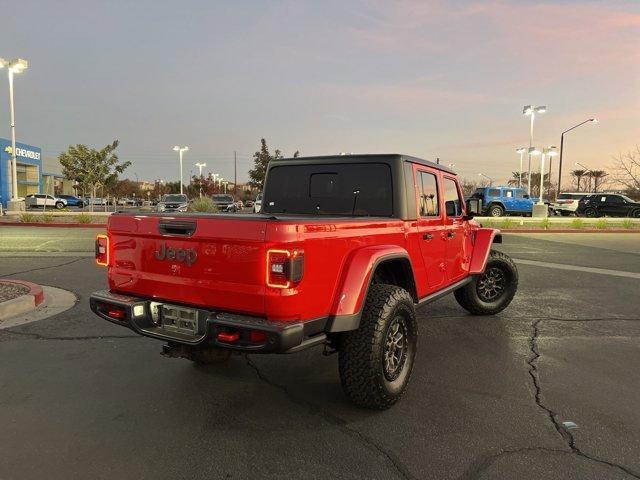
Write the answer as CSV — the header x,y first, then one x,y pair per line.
x,y
216,261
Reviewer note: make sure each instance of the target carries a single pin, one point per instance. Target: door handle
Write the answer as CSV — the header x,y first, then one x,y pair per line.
x,y
451,234
427,236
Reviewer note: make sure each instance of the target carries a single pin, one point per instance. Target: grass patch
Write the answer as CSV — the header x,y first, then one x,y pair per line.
x,y
203,205
508,223
627,223
601,224
544,223
27,217
577,223
84,218
47,218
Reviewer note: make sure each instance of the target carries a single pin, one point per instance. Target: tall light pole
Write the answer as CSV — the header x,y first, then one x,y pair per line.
x,y
531,110
594,120
200,167
521,151
16,65
180,149
488,178
546,152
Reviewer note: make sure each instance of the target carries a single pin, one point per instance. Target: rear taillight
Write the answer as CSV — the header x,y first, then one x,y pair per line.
x,y
102,250
284,268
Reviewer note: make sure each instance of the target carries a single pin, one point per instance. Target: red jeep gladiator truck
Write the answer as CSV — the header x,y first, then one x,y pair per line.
x,y
343,251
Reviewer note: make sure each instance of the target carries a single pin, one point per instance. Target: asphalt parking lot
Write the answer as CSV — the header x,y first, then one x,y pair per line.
x,y
82,398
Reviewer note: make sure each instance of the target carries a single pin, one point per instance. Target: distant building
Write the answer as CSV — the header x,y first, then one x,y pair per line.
x,y
35,174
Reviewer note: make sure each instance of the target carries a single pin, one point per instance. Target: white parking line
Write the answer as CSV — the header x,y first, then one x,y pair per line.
x,y
577,268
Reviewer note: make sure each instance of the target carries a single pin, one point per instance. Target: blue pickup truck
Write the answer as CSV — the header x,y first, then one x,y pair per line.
x,y
499,201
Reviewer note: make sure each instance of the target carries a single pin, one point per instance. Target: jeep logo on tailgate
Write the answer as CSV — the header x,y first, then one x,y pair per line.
x,y
182,255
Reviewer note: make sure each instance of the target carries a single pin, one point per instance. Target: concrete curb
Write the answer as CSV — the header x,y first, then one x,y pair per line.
x,y
24,303
57,301
54,225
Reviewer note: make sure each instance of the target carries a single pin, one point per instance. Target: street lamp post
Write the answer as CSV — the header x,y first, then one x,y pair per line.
x,y
180,149
200,167
546,152
488,178
16,65
531,110
521,151
594,120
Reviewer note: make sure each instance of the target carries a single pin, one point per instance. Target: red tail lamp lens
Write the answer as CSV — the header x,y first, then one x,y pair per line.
x,y
284,268
102,250
228,337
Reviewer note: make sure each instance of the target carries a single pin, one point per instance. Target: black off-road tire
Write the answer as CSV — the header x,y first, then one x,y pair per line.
x,y
474,296
635,213
364,354
495,211
591,213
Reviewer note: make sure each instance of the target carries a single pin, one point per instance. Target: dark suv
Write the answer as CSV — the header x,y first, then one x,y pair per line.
x,y
609,205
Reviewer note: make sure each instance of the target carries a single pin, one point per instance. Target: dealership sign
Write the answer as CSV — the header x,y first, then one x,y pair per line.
x,y
23,152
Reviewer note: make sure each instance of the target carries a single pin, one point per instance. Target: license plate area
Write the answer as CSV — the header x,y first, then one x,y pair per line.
x,y
182,320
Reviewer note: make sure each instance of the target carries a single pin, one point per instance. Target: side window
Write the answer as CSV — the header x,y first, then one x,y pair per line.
x,y
40,195
452,201
493,192
519,193
614,199
508,193
428,188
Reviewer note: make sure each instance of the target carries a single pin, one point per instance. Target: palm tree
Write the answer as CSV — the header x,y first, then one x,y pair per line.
x,y
598,176
578,174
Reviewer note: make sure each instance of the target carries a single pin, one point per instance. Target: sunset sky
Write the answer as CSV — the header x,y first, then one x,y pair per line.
x,y
433,79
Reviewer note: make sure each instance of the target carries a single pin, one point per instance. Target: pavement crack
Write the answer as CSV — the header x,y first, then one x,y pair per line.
x,y
392,460
566,434
483,463
43,268
37,336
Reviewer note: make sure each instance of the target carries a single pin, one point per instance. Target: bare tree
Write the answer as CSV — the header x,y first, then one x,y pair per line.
x,y
626,169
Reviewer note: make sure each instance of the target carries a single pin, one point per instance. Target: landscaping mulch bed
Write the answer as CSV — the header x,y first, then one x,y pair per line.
x,y
10,290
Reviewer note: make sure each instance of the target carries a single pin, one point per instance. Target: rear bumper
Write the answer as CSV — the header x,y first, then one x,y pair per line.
x,y
273,337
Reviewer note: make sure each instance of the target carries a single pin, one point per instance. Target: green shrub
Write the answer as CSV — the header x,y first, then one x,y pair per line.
x,y
47,218
27,217
83,218
203,205
577,223
601,224
544,223
627,223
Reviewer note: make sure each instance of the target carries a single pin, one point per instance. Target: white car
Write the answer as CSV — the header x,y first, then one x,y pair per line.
x,y
567,203
257,205
40,200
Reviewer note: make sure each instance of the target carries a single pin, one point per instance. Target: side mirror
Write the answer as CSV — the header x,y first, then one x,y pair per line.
x,y
474,207
526,196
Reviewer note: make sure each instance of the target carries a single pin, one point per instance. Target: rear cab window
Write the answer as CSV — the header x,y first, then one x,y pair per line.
x,y
428,193
346,189
452,201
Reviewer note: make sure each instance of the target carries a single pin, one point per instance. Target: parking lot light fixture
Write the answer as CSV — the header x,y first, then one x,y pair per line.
x,y
590,120
521,151
546,152
488,178
200,167
17,65
531,110
180,149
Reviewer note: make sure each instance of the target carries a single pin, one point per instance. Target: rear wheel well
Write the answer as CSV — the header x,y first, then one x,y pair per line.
x,y
398,272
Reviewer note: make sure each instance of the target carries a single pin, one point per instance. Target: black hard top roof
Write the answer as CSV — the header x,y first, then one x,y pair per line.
x,y
367,157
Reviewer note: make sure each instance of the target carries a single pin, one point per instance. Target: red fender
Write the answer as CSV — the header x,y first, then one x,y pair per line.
x,y
481,248
357,275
